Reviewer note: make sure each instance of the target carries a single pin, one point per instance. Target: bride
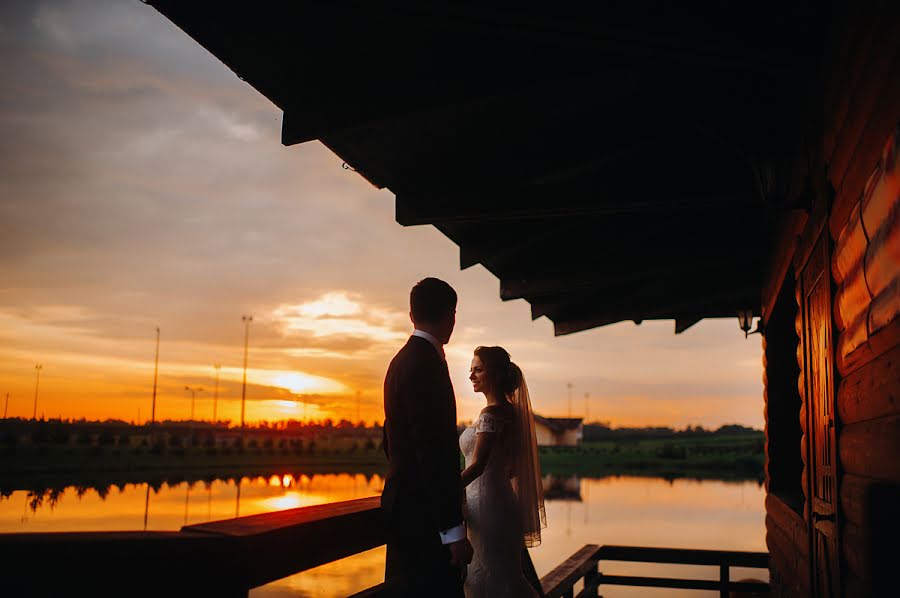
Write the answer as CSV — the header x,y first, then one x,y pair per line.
x,y
504,502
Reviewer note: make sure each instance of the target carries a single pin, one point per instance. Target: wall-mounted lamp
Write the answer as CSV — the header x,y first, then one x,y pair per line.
x,y
745,321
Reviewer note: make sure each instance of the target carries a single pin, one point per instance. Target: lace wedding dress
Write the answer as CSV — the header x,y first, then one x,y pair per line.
x,y
493,517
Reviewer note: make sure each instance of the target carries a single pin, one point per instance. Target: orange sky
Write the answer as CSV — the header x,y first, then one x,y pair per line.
x,y
143,184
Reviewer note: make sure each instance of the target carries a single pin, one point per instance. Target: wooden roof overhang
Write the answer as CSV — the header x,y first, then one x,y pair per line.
x,y
605,164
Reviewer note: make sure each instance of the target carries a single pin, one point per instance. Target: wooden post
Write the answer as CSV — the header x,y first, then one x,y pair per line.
x,y
723,580
590,577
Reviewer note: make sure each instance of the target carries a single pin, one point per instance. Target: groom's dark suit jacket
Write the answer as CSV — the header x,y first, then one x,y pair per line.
x,y
422,492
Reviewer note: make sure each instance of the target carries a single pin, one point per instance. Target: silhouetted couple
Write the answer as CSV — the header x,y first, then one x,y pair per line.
x,y
453,533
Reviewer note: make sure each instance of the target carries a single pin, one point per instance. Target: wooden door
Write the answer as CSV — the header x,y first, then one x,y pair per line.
x,y
818,362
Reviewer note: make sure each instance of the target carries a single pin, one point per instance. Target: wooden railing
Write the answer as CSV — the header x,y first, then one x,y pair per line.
x,y
584,565
228,558
221,558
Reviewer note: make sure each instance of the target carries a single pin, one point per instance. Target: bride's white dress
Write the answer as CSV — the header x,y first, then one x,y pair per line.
x,y
492,516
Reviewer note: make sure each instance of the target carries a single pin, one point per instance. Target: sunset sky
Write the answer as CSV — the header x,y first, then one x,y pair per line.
x,y
143,184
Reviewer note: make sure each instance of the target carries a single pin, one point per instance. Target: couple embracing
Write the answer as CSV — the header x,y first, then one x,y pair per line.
x,y
453,533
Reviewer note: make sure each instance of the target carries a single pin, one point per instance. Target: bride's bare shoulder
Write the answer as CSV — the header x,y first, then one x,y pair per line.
x,y
502,410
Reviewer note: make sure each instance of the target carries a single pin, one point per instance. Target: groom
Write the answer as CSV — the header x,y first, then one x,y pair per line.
x,y
427,548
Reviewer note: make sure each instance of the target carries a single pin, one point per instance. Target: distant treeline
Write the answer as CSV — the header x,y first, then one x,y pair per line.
x,y
61,441
599,431
112,431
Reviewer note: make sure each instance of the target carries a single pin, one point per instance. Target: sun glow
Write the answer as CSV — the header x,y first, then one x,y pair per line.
x,y
336,314
292,499
300,383
330,304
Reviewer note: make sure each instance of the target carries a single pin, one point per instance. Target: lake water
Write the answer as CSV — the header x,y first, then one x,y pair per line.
x,y
626,510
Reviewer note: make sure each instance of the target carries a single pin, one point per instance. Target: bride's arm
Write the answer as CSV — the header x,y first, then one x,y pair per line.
x,y
484,443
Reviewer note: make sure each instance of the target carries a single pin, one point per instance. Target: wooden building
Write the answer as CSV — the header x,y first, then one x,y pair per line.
x,y
610,164
558,431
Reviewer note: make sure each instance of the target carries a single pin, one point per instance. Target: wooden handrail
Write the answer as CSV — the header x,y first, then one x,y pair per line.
x,y
684,556
278,544
223,558
584,564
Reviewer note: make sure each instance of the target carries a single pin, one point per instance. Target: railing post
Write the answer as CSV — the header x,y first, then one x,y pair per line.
x,y
723,580
590,576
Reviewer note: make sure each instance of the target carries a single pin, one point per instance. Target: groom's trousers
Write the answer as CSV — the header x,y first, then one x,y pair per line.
x,y
418,565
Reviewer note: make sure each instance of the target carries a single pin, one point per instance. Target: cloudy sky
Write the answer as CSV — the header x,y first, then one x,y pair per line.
x,y
143,184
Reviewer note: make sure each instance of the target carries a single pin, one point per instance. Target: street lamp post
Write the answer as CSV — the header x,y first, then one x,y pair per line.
x,y
37,382
358,394
246,320
569,386
587,399
6,406
193,392
217,366
155,376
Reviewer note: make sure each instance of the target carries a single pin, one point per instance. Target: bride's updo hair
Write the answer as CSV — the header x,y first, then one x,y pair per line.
x,y
503,375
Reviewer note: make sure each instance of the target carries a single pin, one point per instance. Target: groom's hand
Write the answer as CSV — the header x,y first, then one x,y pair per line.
x,y
460,553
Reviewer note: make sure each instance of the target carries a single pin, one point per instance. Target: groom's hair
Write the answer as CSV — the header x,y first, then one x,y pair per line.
x,y
431,299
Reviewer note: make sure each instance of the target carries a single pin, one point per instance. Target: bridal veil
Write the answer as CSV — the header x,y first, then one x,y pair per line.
x,y
526,469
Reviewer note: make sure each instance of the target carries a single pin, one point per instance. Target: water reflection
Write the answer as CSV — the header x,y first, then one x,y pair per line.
x,y
630,510
562,487
168,504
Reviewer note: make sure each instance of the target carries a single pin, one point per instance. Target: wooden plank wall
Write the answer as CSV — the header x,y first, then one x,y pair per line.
x,y
861,151
858,155
866,271
786,532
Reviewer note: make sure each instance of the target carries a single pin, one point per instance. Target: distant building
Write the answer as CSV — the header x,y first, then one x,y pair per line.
x,y
558,431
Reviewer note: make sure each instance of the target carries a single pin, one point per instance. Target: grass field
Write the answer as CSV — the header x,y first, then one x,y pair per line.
x,y
739,455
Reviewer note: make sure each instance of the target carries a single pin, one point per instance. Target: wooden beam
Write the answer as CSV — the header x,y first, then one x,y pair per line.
x,y
682,324
341,108
100,563
685,584
872,392
559,581
709,305
672,292
499,256
781,254
384,109
679,264
542,202
870,448
469,256
571,326
295,540
683,556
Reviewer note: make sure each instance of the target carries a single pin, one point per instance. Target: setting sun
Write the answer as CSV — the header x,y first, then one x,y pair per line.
x,y
299,383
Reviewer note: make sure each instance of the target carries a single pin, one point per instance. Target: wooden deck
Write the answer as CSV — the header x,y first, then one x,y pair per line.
x,y
230,557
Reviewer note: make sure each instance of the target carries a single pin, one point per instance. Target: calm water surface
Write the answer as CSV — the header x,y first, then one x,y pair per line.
x,y
640,511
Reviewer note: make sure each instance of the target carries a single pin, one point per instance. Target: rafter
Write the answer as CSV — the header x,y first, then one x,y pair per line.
x,y
673,293
686,264
684,312
536,202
